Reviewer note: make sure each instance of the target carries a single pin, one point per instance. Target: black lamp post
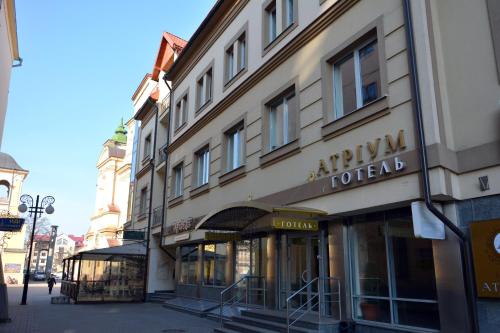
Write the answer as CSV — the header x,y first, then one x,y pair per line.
x,y
35,211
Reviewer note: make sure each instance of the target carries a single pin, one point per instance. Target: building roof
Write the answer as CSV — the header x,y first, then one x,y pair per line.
x,y
77,239
10,9
8,162
143,82
42,238
165,56
213,17
120,135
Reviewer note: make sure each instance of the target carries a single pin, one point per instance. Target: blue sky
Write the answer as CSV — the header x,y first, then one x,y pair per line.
x,y
82,62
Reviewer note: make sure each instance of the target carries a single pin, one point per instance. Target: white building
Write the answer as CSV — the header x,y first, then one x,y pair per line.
x,y
112,190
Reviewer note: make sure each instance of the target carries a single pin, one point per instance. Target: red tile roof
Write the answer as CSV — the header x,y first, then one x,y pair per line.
x,y
77,239
42,238
165,56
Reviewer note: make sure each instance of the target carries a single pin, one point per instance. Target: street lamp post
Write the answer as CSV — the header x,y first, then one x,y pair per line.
x,y
35,211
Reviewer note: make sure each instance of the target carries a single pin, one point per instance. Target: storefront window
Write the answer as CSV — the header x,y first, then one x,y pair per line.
x,y
251,258
189,258
214,259
393,272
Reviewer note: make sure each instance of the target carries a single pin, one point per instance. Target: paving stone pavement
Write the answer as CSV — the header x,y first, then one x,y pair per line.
x,y
39,316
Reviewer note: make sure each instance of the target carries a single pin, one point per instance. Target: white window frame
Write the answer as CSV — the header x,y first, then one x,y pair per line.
x,y
338,111
204,88
290,12
202,166
274,124
178,182
234,148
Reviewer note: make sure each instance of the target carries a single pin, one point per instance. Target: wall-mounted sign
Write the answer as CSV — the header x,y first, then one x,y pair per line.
x,y
359,163
485,237
133,235
222,236
12,268
290,223
182,237
11,223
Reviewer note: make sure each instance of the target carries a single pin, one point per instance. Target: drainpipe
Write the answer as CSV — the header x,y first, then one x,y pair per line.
x,y
151,182
165,177
465,248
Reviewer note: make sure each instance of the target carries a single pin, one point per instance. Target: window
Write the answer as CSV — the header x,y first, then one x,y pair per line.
x,y
147,147
181,108
270,26
4,190
189,259
289,13
282,113
393,272
236,56
202,166
178,181
356,79
214,262
143,201
235,144
204,89
42,261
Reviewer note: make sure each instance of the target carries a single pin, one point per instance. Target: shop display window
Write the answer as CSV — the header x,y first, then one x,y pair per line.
x,y
214,262
189,259
393,278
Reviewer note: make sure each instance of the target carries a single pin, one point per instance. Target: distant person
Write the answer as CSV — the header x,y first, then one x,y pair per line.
x,y
51,282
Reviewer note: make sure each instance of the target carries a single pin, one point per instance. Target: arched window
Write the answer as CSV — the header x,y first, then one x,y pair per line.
x,y
4,190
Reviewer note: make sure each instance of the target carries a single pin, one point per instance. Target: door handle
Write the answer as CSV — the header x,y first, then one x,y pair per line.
x,y
302,276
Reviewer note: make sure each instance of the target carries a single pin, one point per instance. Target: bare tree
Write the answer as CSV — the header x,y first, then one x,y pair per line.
x,y
42,228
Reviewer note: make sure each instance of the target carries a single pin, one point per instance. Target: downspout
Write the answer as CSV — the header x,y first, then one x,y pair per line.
x,y
165,177
465,248
150,208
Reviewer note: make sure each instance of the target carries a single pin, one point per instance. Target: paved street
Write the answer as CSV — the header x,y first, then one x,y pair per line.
x,y
39,316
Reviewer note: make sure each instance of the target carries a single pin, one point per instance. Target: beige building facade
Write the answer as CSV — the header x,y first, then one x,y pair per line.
x,y
304,138
9,53
151,102
12,244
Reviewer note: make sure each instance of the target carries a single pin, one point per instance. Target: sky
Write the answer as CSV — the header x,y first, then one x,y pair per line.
x,y
82,61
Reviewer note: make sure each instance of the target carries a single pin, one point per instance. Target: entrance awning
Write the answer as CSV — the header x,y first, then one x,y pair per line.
x,y
237,216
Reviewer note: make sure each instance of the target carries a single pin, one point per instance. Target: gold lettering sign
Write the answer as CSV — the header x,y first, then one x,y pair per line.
x,y
486,252
290,223
348,158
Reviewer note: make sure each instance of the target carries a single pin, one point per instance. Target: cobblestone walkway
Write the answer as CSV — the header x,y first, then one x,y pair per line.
x,y
39,316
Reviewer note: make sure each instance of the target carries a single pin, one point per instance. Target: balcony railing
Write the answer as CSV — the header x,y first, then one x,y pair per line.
x,y
157,216
165,104
162,155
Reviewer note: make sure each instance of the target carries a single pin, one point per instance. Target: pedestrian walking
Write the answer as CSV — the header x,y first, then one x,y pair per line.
x,y
51,282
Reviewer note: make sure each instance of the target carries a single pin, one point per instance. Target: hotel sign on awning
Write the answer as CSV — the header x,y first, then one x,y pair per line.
x,y
11,223
290,223
485,237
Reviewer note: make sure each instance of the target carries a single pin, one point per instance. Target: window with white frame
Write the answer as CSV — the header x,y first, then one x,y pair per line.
x,y
178,180
270,22
202,166
393,277
356,79
235,145
181,109
282,114
289,13
143,201
147,147
236,56
204,89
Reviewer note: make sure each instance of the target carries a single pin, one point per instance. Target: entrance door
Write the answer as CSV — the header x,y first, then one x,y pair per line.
x,y
302,266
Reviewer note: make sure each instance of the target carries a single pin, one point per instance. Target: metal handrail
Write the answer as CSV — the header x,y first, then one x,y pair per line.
x,y
236,299
317,298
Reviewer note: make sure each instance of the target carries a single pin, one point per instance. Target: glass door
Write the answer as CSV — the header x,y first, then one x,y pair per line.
x,y
301,265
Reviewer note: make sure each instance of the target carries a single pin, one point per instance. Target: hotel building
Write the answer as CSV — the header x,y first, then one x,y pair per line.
x,y
341,155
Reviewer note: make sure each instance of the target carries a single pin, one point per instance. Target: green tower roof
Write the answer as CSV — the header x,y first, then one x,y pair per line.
x,y
120,135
